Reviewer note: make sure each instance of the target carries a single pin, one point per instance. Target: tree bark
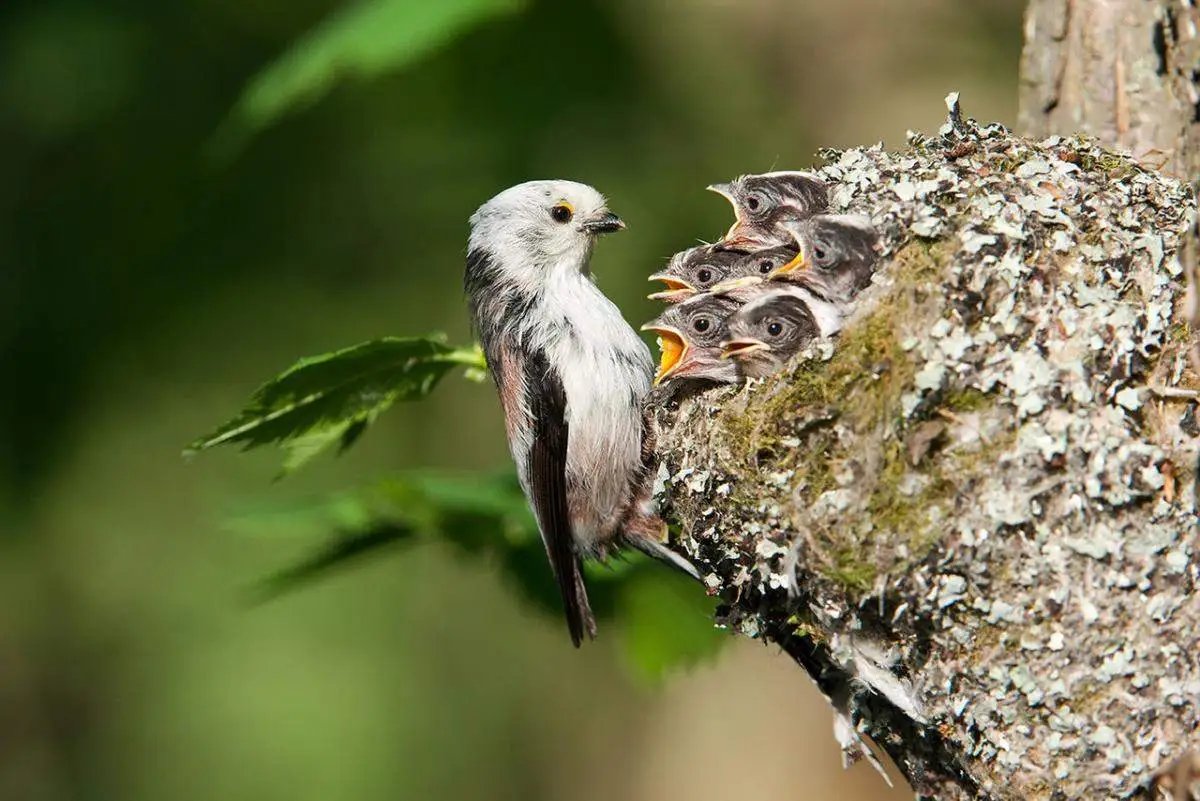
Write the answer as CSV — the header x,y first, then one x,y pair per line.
x,y
1128,73
1123,71
971,517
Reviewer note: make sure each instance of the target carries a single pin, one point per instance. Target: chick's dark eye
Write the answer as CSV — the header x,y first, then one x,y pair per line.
x,y
704,275
562,213
766,265
753,202
774,328
701,324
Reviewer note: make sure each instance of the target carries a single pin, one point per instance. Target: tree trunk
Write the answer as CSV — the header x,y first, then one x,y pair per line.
x,y
971,518
1128,73
1124,71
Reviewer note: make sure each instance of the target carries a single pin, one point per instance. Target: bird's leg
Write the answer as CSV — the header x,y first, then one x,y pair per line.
x,y
648,533
640,527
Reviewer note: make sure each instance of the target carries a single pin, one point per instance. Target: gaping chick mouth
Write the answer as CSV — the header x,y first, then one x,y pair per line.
x,y
672,347
676,289
737,235
741,348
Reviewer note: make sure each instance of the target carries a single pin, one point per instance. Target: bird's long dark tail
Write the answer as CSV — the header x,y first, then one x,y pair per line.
x,y
580,619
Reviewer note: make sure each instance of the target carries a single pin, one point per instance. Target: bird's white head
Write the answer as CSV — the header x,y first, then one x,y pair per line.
x,y
538,226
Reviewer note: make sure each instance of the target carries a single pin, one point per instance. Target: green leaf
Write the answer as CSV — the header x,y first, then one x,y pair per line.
x,y
301,449
361,40
666,623
666,619
336,553
330,399
304,518
471,512
498,495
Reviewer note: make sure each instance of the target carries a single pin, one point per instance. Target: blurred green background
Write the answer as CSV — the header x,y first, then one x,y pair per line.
x,y
165,247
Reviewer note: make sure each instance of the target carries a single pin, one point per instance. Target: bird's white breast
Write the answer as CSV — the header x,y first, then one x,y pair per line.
x,y
605,369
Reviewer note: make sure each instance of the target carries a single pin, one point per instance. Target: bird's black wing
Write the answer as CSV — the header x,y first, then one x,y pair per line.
x,y
547,478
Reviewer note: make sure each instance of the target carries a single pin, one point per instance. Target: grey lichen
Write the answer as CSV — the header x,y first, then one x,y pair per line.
x,y
972,518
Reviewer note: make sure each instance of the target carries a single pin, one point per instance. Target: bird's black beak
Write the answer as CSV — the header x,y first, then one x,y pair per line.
x,y
603,223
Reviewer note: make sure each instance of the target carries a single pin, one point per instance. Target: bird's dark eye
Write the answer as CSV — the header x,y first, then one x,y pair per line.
x,y
754,201
701,324
562,213
766,265
820,254
704,275
775,328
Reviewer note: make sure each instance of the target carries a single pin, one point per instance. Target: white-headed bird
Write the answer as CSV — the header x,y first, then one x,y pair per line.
x,y
690,336
572,378
762,203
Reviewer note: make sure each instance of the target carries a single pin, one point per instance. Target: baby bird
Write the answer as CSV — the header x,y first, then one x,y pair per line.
x,y
835,260
696,270
829,316
836,257
690,335
761,203
572,377
768,331
701,268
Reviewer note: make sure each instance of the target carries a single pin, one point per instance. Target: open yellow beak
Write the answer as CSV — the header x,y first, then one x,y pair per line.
x,y
676,290
796,264
672,349
740,348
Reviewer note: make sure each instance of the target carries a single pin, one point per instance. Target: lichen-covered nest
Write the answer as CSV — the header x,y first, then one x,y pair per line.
x,y
971,516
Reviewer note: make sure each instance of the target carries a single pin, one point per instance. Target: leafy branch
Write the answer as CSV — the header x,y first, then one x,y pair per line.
x,y
331,399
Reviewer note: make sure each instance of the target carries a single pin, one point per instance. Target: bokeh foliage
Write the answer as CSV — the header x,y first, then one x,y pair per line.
x,y
146,288
360,40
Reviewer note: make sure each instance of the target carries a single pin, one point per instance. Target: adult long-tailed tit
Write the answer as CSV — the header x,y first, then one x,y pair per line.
x,y
572,377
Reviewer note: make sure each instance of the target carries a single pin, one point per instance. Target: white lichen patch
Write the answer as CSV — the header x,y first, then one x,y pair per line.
x,y
984,480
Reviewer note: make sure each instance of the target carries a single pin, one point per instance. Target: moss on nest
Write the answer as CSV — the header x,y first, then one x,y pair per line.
x,y
852,571
966,399
921,467
867,352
